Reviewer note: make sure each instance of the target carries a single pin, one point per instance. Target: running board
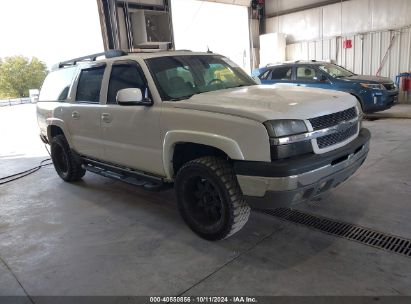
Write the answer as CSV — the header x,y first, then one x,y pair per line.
x,y
135,178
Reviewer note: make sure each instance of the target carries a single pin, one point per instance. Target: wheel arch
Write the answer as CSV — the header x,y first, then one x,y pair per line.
x,y
57,127
182,146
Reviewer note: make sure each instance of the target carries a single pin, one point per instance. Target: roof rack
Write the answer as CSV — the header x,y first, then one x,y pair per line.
x,y
272,64
93,57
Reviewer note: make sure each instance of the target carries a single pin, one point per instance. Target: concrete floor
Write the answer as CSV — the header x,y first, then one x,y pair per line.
x,y
99,237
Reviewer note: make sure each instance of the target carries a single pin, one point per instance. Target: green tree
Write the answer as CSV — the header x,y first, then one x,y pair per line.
x,y
18,74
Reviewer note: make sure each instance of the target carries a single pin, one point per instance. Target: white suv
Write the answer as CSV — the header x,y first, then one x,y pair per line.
x,y
198,122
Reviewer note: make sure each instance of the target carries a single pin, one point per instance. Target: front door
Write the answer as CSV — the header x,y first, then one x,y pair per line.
x,y
280,75
131,133
308,76
83,118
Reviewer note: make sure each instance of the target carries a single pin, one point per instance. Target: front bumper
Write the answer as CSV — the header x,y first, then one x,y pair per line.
x,y
375,101
289,182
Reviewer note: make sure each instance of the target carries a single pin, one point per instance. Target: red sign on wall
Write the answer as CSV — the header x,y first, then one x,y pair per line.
x,y
347,44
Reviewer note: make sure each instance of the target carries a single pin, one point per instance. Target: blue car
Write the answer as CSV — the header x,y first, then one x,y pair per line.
x,y
373,93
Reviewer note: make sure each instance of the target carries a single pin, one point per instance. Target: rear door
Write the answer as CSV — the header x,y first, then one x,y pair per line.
x,y
280,75
83,115
309,76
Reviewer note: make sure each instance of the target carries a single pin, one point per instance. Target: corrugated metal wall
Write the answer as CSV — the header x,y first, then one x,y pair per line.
x,y
366,54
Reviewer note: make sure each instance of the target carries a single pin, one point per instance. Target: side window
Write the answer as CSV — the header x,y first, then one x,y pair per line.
x,y
281,73
57,85
125,76
306,74
265,74
89,85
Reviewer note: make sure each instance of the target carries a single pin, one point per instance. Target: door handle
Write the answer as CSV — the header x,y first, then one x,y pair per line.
x,y
75,115
106,117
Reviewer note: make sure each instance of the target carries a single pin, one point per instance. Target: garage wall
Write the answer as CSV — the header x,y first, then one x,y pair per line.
x,y
370,24
366,53
349,17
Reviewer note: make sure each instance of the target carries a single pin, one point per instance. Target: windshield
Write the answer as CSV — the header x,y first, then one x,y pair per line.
x,y
180,77
335,70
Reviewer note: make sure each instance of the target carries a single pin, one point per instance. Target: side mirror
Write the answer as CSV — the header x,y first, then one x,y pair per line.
x,y
131,96
323,78
257,80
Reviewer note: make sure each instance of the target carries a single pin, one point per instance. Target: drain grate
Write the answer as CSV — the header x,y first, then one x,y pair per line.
x,y
348,231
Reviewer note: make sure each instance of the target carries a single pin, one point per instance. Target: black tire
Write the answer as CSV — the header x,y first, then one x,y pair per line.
x,y
209,198
66,162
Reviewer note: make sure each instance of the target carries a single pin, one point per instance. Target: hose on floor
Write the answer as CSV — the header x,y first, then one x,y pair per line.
x,y
16,176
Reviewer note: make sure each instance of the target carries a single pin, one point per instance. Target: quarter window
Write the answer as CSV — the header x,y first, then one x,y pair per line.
x,y
125,76
89,85
281,73
57,85
265,74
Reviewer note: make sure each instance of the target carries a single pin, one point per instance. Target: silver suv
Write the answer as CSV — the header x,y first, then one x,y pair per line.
x,y
197,122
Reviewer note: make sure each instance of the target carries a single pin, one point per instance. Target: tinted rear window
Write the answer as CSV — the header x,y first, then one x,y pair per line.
x,y
281,73
57,85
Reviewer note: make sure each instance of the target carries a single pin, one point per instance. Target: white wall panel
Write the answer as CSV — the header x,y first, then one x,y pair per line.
x,y
304,51
274,6
299,26
390,14
358,16
366,54
331,20
367,49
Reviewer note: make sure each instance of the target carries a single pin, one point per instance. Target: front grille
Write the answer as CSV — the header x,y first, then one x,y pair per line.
x,y
332,139
389,86
330,120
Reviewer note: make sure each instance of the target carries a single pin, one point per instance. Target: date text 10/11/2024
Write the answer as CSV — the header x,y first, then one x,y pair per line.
x,y
203,299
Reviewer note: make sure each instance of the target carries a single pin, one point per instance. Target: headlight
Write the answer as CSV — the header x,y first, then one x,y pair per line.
x,y
373,86
359,108
284,127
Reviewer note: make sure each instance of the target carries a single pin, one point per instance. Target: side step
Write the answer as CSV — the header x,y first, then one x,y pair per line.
x,y
135,178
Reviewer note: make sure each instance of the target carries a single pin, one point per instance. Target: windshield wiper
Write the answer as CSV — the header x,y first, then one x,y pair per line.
x,y
180,98
184,97
237,86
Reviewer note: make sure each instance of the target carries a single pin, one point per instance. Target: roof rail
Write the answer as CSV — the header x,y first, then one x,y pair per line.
x,y
93,57
298,61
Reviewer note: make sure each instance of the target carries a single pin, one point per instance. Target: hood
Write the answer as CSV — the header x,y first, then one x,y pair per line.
x,y
368,79
262,103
